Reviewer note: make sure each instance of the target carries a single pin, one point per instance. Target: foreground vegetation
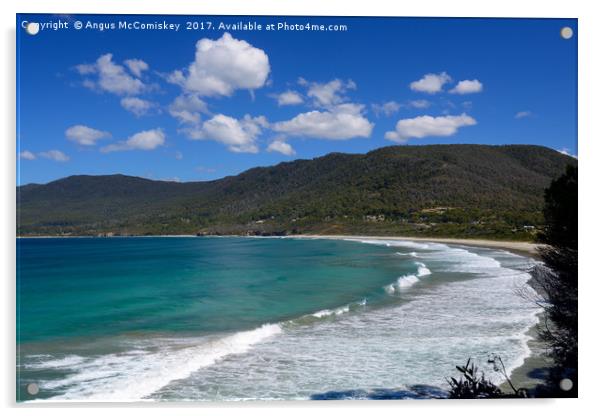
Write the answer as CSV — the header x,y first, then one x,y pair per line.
x,y
556,284
461,191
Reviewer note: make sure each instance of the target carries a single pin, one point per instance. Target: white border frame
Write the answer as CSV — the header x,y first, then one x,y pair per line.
x,y
590,92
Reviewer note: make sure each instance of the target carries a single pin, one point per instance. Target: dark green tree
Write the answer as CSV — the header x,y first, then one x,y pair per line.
x,y
556,283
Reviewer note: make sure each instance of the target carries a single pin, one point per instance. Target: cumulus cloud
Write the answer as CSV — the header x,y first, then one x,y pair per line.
x,y
467,87
425,126
342,122
84,135
144,140
238,134
137,106
523,114
289,98
27,155
55,155
387,109
222,66
187,108
136,66
431,83
328,94
111,77
281,146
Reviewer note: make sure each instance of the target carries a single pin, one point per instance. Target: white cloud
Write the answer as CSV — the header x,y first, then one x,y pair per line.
x,y
137,106
85,69
419,103
281,146
567,151
144,140
27,155
337,118
55,155
431,83
523,114
91,85
342,122
289,98
136,66
112,77
425,126
84,135
187,108
239,135
222,66
388,109
467,87
330,93
179,155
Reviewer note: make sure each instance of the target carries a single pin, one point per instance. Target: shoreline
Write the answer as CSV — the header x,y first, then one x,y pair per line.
x,y
527,375
519,247
535,365
522,247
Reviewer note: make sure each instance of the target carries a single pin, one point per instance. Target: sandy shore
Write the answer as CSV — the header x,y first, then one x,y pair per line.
x,y
534,369
521,247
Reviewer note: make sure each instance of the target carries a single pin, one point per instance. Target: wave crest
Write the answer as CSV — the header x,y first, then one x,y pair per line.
x,y
127,377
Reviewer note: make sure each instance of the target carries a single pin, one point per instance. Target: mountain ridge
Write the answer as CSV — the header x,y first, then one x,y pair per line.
x,y
384,191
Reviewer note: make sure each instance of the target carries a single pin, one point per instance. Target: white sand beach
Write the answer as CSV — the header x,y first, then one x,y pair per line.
x,y
522,247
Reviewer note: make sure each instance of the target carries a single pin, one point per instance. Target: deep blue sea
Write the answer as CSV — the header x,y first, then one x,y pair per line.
x,y
226,318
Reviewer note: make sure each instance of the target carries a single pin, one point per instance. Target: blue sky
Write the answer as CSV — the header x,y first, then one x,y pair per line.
x,y
195,105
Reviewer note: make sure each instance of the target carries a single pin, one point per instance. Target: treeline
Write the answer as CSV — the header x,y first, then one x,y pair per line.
x,y
440,190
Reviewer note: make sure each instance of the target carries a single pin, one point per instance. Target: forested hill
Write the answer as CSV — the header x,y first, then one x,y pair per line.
x,y
439,190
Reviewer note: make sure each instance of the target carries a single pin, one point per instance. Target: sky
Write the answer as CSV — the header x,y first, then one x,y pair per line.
x,y
207,101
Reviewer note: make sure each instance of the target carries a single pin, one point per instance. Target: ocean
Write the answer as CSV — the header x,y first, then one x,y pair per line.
x,y
229,318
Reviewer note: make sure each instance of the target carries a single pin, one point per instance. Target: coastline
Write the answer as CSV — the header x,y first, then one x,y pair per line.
x,y
534,369
519,247
535,366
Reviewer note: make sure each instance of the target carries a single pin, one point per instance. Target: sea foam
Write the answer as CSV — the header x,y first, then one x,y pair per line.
x,y
130,377
417,341
446,324
408,280
330,312
338,311
422,269
48,362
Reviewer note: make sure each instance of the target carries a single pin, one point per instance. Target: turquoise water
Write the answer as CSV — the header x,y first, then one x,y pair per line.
x,y
257,318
